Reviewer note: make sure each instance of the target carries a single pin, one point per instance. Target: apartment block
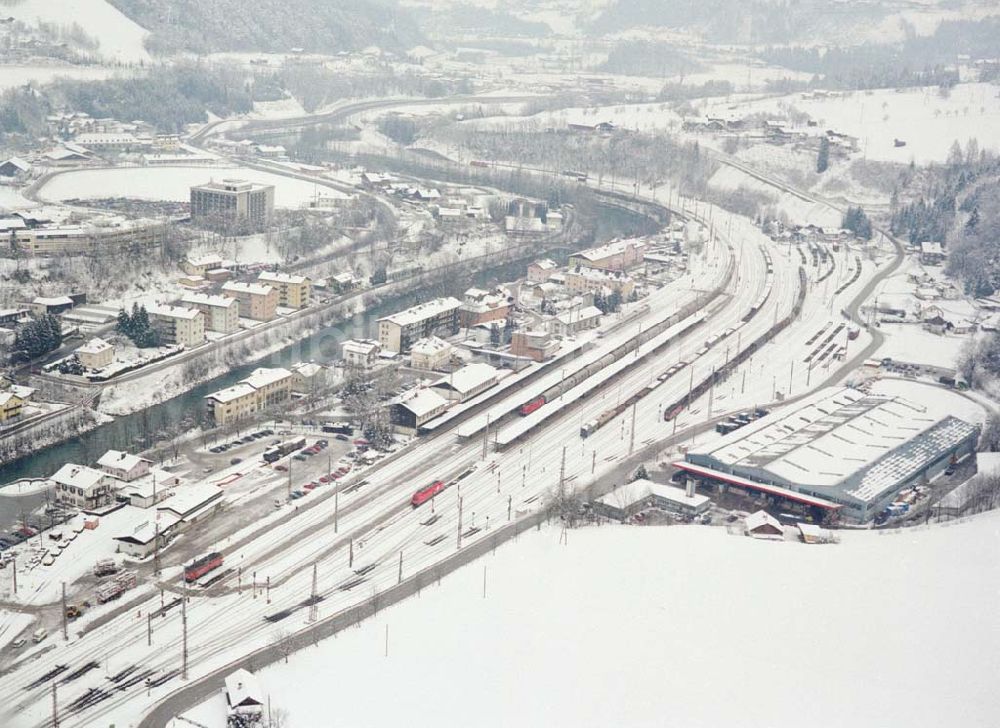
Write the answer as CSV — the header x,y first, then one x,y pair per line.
x,y
222,313
257,301
293,291
178,325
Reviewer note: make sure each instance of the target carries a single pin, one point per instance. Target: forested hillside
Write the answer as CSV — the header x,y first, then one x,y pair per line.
x,y
328,26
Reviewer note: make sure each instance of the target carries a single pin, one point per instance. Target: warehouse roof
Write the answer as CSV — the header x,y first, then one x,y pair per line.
x,y
423,402
468,378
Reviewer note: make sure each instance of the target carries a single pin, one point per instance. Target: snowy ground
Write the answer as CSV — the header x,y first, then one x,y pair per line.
x,y
121,39
925,119
629,626
172,184
13,76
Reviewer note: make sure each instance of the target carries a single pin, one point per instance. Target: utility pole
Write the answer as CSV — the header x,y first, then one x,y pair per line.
x,y
711,394
791,371
399,580
459,546
486,435
562,471
184,626
55,707
156,544
690,387
289,478
510,501
314,598
13,571
593,461
350,554
631,438
65,629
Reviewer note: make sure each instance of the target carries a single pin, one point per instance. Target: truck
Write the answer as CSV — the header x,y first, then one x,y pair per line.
x,y
276,452
115,587
104,567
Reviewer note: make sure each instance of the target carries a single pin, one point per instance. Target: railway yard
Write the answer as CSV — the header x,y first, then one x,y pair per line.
x,y
749,316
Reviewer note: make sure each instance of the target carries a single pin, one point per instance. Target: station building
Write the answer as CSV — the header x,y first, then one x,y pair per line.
x,y
838,449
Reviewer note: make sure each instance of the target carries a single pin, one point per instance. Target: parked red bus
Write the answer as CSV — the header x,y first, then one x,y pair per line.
x,y
425,494
528,408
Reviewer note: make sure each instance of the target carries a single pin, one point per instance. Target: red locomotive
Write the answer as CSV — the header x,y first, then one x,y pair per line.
x,y
528,408
425,494
199,567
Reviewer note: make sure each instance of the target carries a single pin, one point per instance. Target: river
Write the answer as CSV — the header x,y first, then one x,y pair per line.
x,y
121,434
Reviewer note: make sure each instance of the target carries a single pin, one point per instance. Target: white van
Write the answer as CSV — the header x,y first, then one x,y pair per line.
x,y
40,634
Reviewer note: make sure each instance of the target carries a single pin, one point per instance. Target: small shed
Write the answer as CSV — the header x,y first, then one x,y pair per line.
x,y
244,695
811,533
763,525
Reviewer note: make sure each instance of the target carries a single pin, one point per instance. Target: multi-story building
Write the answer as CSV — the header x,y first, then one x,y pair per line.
x,y
201,264
536,345
398,331
430,354
481,307
293,291
617,256
257,301
360,353
233,200
540,270
96,354
178,325
578,319
123,465
10,406
102,235
587,280
264,388
222,313
83,487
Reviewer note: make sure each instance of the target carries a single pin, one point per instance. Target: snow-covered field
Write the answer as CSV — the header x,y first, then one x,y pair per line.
x,y
681,626
172,184
925,119
11,76
121,39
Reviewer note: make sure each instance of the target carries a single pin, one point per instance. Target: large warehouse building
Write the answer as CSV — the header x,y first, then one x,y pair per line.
x,y
838,449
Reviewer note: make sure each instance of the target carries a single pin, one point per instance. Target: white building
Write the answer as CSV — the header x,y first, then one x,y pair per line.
x,y
178,325
467,382
123,465
430,354
360,353
96,354
83,487
222,313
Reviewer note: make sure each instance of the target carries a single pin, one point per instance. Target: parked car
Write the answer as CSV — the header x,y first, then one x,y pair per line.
x,y
281,468
19,643
235,461
345,438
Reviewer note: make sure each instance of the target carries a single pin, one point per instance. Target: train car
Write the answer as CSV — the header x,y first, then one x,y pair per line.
x,y
425,494
529,407
479,163
673,412
199,567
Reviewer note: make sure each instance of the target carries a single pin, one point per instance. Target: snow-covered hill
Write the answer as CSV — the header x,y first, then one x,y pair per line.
x,y
121,39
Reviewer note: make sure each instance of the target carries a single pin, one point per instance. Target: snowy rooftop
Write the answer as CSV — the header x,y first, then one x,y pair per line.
x,y
360,346
79,476
270,277
230,393
53,301
430,345
836,433
423,401
120,460
584,314
252,288
631,493
174,312
95,346
424,311
243,688
307,369
204,299
189,499
146,530
468,378
605,251
263,377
